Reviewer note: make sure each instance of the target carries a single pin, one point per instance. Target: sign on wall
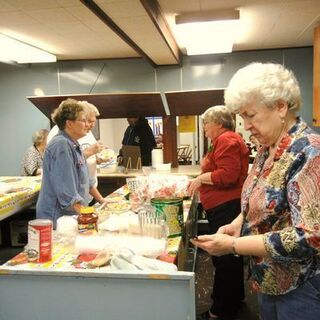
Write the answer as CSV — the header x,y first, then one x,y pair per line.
x,y
187,124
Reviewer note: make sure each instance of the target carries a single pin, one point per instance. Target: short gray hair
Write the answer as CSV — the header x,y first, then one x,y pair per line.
x,y
219,115
90,108
39,136
67,110
265,83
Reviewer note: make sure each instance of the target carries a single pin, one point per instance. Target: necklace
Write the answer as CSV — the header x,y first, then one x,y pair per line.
x,y
273,149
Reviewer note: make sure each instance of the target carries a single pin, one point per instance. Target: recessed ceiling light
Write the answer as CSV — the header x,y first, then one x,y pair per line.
x,y
20,52
207,32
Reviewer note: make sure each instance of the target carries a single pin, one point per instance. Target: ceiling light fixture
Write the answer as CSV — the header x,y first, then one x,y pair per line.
x,y
207,32
20,52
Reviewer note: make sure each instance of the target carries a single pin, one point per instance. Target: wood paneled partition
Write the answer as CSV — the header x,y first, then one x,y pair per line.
x,y
138,104
316,77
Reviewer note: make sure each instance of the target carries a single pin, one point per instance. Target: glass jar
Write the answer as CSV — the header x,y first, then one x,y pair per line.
x,y
87,221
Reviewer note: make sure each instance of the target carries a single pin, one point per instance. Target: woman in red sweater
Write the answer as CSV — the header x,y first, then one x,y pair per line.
x,y
223,171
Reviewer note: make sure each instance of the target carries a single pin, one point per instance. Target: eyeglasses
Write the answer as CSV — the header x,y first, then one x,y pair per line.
x,y
81,120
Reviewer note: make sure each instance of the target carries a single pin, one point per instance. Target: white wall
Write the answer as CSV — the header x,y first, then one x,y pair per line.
x,y
20,118
240,128
112,131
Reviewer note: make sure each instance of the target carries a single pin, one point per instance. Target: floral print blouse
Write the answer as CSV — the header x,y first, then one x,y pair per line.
x,y
281,200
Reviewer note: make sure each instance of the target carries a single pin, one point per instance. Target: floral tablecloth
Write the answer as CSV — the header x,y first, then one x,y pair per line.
x,y
63,258
17,193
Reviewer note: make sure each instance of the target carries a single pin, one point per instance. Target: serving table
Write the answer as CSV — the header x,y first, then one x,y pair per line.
x,y
23,192
60,289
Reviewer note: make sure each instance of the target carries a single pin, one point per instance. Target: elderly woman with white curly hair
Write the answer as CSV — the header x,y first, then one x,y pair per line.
x,y
32,159
223,170
279,224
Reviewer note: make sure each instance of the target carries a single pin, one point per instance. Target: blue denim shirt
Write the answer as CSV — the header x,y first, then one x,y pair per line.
x,y
65,179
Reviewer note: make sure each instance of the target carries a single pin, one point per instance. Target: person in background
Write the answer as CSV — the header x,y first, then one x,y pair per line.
x,y
223,171
279,226
139,134
88,143
65,182
32,159
254,142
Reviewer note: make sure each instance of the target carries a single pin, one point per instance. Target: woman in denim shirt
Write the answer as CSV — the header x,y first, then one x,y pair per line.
x,y
279,226
65,182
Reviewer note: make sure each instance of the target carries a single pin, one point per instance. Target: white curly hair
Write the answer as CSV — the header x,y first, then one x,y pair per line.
x,y
264,83
90,108
219,115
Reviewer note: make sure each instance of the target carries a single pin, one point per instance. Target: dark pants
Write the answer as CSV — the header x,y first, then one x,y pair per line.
x,y
228,286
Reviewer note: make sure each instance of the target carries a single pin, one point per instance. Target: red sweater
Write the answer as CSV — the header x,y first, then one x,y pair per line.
x,y
228,163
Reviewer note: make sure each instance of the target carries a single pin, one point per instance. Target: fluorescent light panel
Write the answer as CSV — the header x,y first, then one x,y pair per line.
x,y
207,32
20,52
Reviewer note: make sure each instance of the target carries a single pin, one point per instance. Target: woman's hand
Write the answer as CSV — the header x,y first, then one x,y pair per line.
x,y
230,229
194,185
77,207
216,244
94,149
233,228
97,147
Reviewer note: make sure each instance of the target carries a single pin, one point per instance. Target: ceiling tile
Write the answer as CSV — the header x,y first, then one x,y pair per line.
x,y
33,4
5,6
15,18
58,15
122,8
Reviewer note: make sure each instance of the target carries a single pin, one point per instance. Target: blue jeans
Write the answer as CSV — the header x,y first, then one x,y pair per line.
x,y
301,303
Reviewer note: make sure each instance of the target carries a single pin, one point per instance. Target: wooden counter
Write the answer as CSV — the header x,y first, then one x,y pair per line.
x,y
109,182
189,170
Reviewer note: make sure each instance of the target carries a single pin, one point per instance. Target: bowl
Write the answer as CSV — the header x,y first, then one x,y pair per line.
x,y
107,155
111,168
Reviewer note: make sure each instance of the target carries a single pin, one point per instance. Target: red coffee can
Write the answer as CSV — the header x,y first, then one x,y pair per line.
x,y
40,240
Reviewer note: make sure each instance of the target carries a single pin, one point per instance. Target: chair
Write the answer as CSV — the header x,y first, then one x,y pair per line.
x,y
184,154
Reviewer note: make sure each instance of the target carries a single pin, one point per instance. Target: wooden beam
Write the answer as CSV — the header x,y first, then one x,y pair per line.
x,y
154,11
170,140
316,77
110,105
94,8
189,103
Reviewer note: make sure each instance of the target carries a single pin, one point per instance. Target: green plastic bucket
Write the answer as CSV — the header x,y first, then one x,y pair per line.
x,y
172,210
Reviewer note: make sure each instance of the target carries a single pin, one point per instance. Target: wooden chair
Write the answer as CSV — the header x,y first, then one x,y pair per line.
x,y
184,153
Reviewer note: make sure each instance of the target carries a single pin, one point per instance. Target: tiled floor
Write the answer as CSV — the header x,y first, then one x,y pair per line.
x,y
204,275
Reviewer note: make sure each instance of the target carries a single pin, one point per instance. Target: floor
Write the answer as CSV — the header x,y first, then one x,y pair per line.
x,y
204,275
6,253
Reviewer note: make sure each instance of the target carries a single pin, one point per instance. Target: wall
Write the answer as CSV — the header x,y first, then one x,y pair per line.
x,y
20,118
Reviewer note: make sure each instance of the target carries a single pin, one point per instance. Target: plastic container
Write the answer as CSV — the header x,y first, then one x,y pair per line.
x,y
157,157
172,210
87,221
108,168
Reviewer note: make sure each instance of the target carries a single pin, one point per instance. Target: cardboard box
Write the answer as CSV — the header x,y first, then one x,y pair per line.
x,y
19,232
